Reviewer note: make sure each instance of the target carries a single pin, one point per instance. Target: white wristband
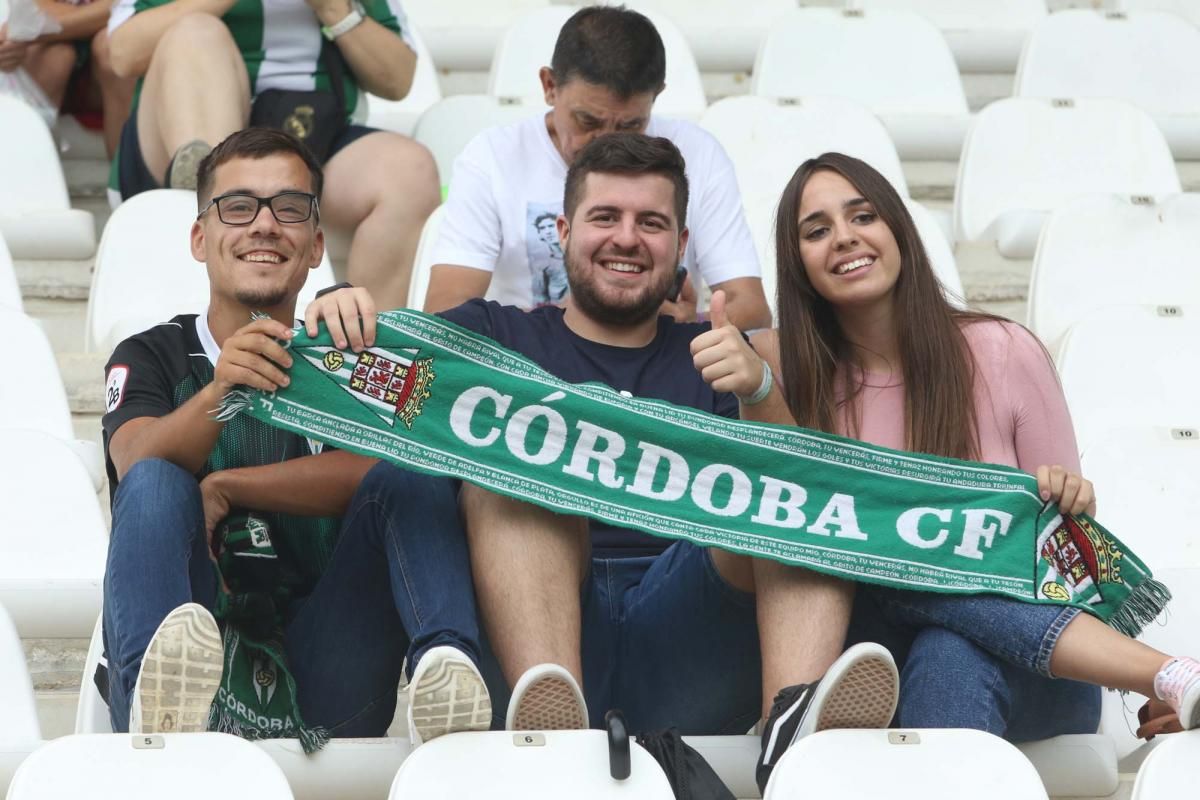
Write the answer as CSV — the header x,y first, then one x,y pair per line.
x,y
347,24
764,387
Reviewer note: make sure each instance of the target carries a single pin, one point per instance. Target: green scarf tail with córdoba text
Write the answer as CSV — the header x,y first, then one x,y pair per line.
x,y
432,396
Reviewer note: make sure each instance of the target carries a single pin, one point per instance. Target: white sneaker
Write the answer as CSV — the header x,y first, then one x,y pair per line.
x,y
546,698
1178,685
181,671
446,694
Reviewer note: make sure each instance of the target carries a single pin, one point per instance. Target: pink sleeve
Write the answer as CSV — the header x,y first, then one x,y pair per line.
x,y
1042,429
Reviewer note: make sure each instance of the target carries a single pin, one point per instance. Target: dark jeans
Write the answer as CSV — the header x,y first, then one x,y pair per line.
x,y
398,584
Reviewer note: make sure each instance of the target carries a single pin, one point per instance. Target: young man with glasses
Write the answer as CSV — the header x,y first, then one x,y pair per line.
x,y
323,533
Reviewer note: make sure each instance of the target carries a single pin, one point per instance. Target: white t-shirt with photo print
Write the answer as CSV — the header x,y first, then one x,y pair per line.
x,y
507,189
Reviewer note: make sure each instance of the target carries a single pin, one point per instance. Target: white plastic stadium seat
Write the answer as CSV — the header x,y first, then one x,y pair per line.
x,y
529,766
418,284
401,115
1170,771
10,291
984,35
448,126
52,537
91,713
1185,9
893,62
1025,156
463,34
188,766
920,764
724,35
528,44
1131,366
1150,59
36,218
34,397
19,722
145,273
1092,247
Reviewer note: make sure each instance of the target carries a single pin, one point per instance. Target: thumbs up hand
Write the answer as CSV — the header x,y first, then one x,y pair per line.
x,y
723,357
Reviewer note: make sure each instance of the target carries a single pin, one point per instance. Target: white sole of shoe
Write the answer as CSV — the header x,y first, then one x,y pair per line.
x,y
862,689
448,697
180,675
547,699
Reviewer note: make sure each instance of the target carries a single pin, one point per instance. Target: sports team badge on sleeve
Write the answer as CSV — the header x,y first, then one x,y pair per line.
x,y
393,385
1075,560
114,387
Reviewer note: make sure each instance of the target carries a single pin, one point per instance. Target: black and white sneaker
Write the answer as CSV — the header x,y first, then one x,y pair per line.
x,y
859,690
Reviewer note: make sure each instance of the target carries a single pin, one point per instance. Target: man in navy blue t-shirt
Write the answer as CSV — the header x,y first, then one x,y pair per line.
x,y
671,633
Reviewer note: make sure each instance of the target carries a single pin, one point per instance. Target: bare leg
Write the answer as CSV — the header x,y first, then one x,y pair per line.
x,y
196,88
528,565
50,67
1088,650
116,94
382,187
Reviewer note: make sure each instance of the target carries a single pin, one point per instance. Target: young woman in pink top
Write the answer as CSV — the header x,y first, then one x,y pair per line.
x,y
869,347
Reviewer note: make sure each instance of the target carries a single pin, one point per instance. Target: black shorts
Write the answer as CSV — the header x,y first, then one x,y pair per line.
x,y
133,176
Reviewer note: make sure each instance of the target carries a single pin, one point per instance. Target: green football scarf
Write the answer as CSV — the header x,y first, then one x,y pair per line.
x,y
434,397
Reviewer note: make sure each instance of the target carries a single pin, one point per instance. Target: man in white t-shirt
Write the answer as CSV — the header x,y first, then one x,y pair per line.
x,y
608,66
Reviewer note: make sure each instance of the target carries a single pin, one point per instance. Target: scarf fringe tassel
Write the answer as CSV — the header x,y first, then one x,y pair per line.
x,y
1147,600
311,739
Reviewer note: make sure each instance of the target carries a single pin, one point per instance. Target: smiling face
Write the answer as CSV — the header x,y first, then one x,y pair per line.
x,y
850,255
622,245
264,264
582,111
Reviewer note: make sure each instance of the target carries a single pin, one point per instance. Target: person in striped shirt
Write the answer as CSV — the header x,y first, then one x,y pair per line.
x,y
201,64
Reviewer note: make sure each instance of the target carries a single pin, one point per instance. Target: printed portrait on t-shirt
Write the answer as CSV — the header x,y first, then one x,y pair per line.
x,y
547,272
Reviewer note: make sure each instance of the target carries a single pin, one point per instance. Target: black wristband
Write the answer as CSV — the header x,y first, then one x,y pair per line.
x,y
335,287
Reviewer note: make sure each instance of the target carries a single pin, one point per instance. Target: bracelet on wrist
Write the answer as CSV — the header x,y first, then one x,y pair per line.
x,y
764,387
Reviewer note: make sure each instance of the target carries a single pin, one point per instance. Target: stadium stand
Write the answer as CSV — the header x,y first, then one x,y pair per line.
x,y
448,126
36,218
177,766
1185,9
36,400
1170,771
19,723
905,765
528,43
10,292
52,537
1090,247
463,34
1154,384
984,35
1025,156
144,254
423,263
724,35
401,115
901,69
1150,59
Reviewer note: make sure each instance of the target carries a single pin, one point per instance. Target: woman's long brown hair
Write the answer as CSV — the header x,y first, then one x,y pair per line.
x,y
937,365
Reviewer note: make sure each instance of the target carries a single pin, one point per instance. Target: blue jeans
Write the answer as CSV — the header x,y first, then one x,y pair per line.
x,y
976,661
667,641
398,583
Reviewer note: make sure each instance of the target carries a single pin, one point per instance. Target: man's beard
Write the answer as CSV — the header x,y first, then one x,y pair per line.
x,y
629,311
261,298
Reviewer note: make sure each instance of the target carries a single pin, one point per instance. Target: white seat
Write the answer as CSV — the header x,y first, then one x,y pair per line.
x,y
1123,366
91,713
36,218
117,766
448,126
529,42
904,765
401,115
418,284
530,766
984,35
1150,59
19,722
35,399
1026,156
463,34
1108,251
52,537
724,35
1185,9
1170,771
893,62
10,291
145,253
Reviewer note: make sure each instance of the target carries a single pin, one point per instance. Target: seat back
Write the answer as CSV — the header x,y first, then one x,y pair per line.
x,y
31,177
401,115
1170,770
890,61
528,44
1025,153
724,35
1184,9
187,766
1107,251
91,714
145,253
10,291
1149,58
449,125
19,722
35,398
418,284
920,764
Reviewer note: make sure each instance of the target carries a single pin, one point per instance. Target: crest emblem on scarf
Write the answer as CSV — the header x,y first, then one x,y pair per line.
x,y
265,680
394,385
1075,560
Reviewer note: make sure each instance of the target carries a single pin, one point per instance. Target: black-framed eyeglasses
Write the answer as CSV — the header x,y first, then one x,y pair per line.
x,y
242,209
